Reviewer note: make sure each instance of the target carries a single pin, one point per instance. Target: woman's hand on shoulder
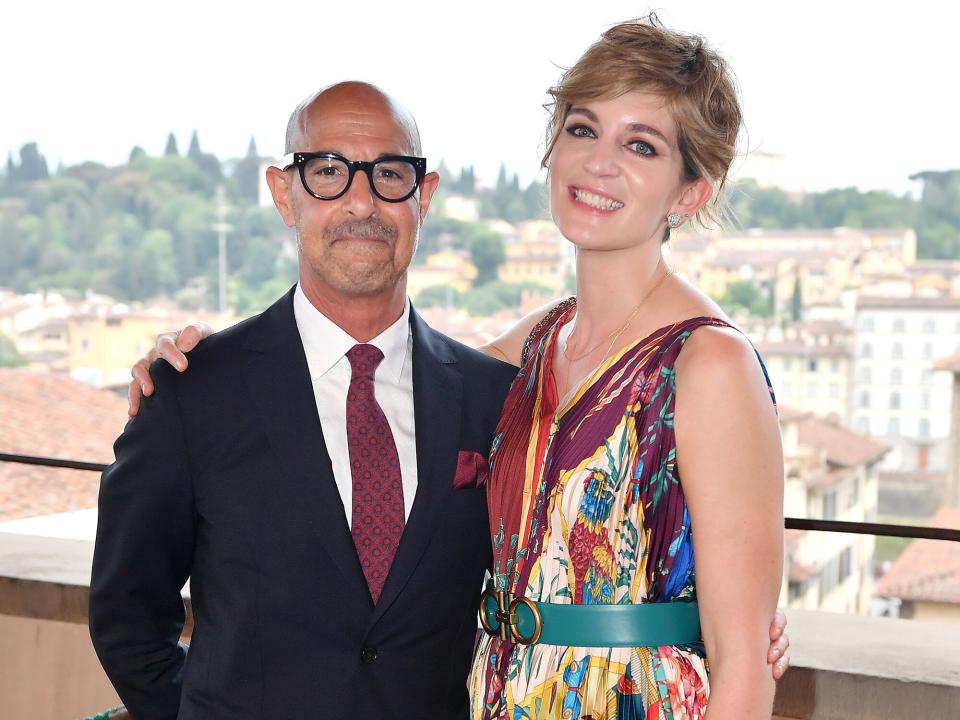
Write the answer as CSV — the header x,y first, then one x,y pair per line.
x,y
509,346
172,346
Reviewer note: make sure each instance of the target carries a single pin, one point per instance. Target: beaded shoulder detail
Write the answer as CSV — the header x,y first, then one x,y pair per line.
x,y
545,323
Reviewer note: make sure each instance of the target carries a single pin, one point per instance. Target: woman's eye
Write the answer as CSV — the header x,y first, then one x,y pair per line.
x,y
642,148
580,131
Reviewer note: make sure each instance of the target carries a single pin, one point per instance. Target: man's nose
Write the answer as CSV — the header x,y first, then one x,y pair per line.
x,y
359,198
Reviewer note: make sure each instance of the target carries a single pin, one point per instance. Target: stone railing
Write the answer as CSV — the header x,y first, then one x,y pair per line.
x,y
843,667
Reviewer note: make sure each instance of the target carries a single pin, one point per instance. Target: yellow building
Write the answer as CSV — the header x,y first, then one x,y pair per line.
x,y
831,473
448,268
103,347
538,254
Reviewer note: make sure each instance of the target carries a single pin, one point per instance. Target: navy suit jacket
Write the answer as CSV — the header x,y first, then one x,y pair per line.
x,y
224,477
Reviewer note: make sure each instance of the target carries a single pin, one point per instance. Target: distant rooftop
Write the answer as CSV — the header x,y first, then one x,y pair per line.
x,y
842,446
928,570
908,303
51,415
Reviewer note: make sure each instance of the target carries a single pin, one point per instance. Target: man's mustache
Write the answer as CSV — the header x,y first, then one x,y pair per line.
x,y
369,228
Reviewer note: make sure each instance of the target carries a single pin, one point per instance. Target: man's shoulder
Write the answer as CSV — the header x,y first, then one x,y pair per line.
x,y
475,365
225,352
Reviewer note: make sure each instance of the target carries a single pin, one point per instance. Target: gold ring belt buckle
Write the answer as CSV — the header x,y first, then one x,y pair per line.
x,y
504,607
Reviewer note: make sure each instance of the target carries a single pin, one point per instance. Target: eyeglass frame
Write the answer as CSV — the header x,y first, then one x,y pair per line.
x,y
300,159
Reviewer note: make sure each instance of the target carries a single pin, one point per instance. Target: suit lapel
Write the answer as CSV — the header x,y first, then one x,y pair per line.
x,y
279,382
437,393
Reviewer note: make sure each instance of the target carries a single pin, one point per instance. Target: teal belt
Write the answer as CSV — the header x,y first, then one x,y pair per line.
x,y
526,622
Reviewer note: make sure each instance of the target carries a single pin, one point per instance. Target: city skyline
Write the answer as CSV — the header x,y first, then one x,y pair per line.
x,y
848,95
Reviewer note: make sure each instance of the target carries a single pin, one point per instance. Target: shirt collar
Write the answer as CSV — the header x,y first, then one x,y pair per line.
x,y
325,342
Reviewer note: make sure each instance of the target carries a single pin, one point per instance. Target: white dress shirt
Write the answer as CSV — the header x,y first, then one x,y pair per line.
x,y
326,345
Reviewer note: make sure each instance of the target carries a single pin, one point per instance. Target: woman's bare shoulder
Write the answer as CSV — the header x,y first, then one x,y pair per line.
x,y
509,346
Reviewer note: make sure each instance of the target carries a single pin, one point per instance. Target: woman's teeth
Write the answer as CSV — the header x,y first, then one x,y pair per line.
x,y
596,201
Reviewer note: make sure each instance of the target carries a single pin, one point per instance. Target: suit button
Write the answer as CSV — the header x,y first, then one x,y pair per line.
x,y
368,655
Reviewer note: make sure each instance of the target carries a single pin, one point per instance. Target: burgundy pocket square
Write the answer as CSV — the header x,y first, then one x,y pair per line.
x,y
472,470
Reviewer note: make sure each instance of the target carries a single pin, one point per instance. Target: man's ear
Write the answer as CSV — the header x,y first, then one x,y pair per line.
x,y
428,186
693,197
279,183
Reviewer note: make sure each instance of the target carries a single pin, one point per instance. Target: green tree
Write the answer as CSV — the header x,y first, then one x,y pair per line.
x,y
938,223
246,174
438,296
487,254
10,357
744,294
171,149
796,300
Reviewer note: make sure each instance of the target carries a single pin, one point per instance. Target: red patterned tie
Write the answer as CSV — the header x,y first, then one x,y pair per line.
x,y
375,466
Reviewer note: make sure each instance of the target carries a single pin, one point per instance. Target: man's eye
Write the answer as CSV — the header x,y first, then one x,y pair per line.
x,y
329,170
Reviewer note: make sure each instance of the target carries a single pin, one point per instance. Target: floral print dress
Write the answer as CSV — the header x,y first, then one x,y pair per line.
x,y
586,507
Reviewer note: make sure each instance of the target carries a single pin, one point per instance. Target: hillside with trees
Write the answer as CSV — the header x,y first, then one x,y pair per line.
x,y
146,228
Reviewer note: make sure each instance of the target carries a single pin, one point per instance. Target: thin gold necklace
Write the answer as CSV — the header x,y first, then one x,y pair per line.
x,y
570,360
615,333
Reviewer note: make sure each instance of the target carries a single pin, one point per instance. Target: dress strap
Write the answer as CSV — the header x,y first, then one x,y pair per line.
x,y
540,329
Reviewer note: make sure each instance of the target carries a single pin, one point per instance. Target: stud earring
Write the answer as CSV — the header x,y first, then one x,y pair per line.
x,y
674,219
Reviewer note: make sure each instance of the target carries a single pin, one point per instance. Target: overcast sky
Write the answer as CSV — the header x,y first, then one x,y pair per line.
x,y
852,94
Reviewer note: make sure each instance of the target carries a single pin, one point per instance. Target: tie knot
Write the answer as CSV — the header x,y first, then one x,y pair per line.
x,y
364,359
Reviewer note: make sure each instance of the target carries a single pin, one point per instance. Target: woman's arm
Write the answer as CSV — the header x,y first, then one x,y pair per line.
x,y
509,345
730,462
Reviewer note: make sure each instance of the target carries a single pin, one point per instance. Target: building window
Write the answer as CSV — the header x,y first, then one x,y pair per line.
x,y
812,365
866,350
787,390
846,558
924,401
830,505
865,375
811,390
863,425
896,376
834,365
864,400
928,351
84,344
828,578
834,391
923,429
896,351
894,401
926,377
855,491
930,325
788,363
898,324
893,426
866,324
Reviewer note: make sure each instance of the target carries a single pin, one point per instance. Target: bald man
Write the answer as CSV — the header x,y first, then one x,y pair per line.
x,y
315,474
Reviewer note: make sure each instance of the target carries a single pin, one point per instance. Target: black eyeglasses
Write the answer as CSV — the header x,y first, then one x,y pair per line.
x,y
327,175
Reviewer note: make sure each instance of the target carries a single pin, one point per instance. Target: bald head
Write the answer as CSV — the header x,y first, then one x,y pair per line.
x,y
355,97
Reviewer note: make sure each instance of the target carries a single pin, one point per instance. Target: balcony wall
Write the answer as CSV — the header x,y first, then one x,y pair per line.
x,y
843,667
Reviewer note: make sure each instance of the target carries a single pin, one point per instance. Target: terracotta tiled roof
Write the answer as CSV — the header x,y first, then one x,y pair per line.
x,y
928,570
842,446
51,415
